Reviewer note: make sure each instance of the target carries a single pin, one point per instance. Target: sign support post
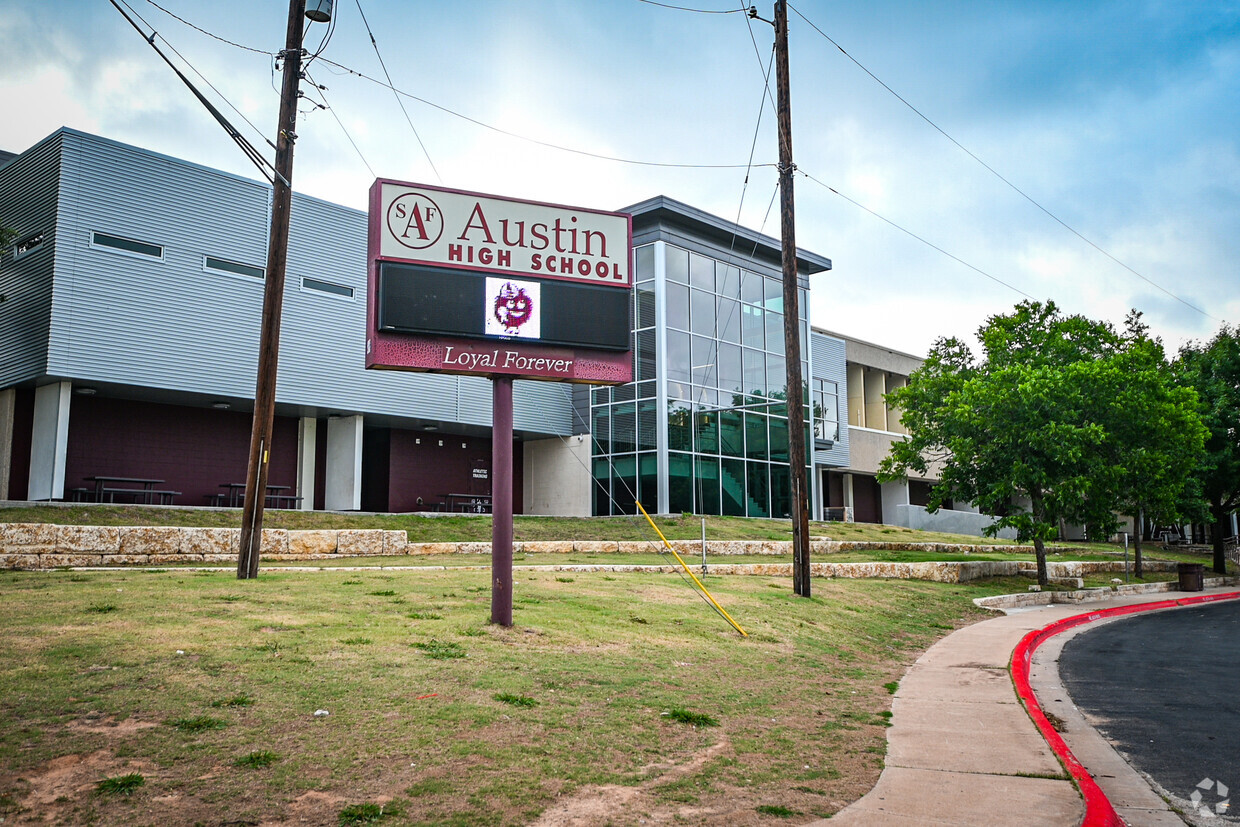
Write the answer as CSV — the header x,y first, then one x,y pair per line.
x,y
501,500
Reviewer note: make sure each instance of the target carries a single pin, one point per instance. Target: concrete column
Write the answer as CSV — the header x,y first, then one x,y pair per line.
x,y
50,441
343,491
894,494
307,437
557,479
8,407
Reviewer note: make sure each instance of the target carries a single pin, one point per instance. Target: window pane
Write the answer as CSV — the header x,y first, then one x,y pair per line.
x,y
802,303
644,297
678,356
679,427
703,308
706,485
646,390
647,425
755,371
648,482
706,432
677,306
324,287
704,370
779,440
773,295
646,356
731,375
757,485
679,483
602,487
781,491
600,428
729,318
776,374
240,269
731,433
755,436
732,485
644,262
702,272
128,245
624,428
728,279
753,332
751,287
703,396
774,332
677,264
622,393
600,395
624,484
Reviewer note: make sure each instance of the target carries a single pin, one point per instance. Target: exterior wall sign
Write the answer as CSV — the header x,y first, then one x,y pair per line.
x,y
479,284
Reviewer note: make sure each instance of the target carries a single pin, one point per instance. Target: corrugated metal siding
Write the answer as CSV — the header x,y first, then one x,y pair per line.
x,y
829,363
170,324
28,204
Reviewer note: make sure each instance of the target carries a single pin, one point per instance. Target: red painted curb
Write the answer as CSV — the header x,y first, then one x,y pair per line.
x,y
1098,809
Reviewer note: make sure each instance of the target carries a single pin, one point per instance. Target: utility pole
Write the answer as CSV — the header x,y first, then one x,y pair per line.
x,y
273,301
792,330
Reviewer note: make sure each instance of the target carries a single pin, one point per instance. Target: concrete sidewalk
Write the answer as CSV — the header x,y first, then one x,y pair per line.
x,y
962,750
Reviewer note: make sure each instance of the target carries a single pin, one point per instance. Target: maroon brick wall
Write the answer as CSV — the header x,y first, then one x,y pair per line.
x,y
23,430
420,467
192,449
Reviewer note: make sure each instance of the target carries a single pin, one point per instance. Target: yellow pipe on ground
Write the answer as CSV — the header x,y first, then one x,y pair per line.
x,y
712,600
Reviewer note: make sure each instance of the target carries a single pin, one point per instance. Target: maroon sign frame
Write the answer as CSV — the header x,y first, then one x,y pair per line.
x,y
523,240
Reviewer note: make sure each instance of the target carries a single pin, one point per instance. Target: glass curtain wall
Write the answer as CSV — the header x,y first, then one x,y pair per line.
x,y
710,408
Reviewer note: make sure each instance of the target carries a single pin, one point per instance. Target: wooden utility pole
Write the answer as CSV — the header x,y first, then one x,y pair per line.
x,y
273,302
799,505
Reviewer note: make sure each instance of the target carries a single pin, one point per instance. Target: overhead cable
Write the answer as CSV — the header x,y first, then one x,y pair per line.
x,y
398,98
995,173
914,235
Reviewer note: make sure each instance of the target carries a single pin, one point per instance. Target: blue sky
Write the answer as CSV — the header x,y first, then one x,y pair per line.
x,y
1120,118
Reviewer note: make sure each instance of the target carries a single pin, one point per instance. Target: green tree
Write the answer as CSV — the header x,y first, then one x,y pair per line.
x,y
1156,437
1213,369
6,236
1044,426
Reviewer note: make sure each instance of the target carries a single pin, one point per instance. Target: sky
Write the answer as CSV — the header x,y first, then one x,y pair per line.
x,y
954,158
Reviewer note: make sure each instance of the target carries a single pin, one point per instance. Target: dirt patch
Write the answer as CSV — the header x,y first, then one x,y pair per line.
x,y
52,791
107,725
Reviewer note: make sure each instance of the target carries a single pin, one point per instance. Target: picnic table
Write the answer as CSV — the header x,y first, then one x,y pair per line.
x,y
235,496
469,503
140,488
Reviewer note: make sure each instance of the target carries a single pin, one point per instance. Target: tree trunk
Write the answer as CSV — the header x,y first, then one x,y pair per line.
x,y
1219,531
1039,551
1137,537
1039,545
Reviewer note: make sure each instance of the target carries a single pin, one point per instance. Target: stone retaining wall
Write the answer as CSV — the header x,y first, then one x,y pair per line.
x,y
1000,602
46,546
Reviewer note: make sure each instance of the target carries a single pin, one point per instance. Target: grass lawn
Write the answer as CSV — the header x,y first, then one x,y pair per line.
x,y
184,697
463,528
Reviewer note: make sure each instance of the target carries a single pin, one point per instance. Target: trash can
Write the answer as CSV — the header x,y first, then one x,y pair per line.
x,y
1192,576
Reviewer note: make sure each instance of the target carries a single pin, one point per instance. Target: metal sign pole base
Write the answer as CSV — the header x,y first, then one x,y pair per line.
x,y
501,500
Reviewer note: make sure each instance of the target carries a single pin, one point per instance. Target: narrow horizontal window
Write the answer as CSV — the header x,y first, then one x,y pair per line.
x,y
225,266
327,287
28,245
127,245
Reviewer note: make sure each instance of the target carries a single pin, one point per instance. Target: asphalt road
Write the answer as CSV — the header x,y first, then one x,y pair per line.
x,y
1165,689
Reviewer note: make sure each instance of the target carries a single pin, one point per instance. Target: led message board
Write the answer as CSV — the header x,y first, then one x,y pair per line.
x,y
479,284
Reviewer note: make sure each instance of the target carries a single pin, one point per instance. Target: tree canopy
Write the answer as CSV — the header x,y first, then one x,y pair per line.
x,y
1213,369
1061,418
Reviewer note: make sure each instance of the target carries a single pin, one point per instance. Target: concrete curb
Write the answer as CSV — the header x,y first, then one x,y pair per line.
x,y
1099,811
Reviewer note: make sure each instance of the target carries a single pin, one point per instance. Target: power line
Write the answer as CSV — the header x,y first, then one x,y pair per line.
x,y
528,139
912,234
686,8
322,90
264,166
995,173
398,99
209,34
